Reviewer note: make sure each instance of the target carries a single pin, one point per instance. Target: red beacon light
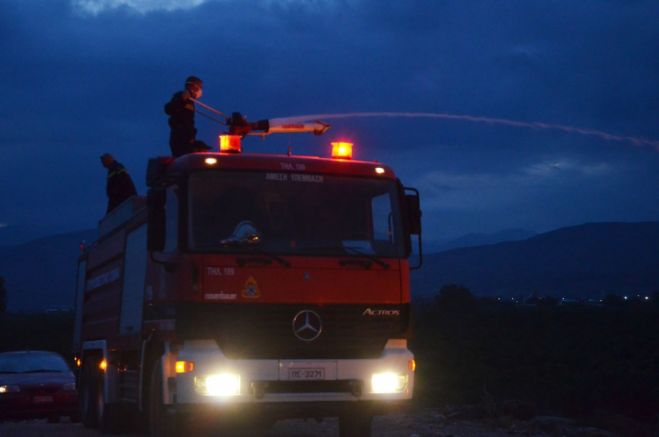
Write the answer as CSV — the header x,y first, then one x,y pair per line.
x,y
341,150
230,144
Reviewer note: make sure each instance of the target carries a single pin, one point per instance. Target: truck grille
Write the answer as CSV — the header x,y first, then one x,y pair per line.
x,y
266,331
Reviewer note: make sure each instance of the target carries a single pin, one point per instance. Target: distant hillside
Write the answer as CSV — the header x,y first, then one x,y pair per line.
x,y
13,235
589,259
480,239
41,274
582,260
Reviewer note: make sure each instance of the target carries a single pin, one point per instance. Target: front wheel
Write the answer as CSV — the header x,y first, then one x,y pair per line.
x,y
355,425
162,423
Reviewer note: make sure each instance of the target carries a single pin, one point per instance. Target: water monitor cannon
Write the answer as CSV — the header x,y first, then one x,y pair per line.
x,y
239,125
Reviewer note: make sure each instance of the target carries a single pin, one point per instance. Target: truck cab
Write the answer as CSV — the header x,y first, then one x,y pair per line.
x,y
251,285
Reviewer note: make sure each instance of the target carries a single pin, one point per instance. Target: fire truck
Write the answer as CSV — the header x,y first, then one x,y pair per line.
x,y
250,287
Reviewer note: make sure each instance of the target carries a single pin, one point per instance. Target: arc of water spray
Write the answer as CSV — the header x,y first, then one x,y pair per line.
x,y
485,120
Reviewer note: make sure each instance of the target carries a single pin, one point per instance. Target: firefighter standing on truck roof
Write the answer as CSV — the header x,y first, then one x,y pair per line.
x,y
119,185
181,111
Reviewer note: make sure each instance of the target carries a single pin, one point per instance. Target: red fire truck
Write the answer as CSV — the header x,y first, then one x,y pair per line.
x,y
250,286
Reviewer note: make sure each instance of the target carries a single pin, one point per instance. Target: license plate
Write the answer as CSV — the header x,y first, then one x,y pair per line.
x,y
306,374
42,399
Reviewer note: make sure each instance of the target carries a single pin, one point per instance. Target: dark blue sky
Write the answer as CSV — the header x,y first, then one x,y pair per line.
x,y
83,77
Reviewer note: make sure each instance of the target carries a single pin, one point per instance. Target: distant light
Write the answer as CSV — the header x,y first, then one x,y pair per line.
x,y
103,365
626,297
342,150
647,297
210,161
379,170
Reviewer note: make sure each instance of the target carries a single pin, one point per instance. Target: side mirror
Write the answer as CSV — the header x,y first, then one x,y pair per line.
x,y
413,208
156,220
413,213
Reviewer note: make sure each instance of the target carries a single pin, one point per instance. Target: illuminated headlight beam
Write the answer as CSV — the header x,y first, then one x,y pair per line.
x,y
219,385
388,382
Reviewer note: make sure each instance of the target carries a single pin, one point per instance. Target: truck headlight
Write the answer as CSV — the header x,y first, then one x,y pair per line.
x,y
219,385
388,382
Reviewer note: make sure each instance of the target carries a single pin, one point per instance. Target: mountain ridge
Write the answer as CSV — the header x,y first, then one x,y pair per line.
x,y
582,260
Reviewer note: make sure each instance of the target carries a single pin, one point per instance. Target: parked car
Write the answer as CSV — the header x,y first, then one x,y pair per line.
x,y
36,384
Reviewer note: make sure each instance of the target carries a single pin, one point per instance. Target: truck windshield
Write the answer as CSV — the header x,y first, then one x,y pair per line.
x,y
293,213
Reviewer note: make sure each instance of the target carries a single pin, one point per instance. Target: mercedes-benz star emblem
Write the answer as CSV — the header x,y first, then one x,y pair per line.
x,y
307,325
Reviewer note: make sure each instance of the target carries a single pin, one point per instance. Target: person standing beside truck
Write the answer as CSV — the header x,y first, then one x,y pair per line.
x,y
120,185
181,109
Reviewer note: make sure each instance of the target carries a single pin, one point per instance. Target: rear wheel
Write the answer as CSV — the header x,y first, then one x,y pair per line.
x,y
108,415
88,396
355,425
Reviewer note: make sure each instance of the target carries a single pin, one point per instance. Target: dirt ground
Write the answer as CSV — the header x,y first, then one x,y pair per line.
x,y
425,422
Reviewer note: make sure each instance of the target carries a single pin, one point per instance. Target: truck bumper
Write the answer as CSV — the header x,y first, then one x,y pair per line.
x,y
289,387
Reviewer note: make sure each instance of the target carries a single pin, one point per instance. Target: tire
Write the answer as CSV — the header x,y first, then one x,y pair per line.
x,y
87,396
110,419
161,422
355,425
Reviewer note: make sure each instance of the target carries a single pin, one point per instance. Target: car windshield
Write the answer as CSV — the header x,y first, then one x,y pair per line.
x,y
32,362
293,213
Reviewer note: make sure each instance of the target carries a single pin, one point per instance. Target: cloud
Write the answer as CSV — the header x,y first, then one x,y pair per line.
x,y
549,168
95,7
478,191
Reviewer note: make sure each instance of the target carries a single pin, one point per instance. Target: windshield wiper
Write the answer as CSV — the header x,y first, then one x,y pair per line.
x,y
260,256
368,256
351,251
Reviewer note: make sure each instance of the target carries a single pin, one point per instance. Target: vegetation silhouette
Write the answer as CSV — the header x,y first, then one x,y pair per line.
x,y
3,295
595,361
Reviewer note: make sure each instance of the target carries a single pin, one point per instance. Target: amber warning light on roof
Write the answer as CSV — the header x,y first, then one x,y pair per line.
x,y
342,150
230,144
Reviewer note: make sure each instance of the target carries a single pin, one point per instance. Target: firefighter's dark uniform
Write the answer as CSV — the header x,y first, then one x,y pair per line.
x,y
181,123
119,186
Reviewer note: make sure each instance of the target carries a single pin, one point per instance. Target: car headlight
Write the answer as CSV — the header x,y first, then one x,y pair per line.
x,y
388,382
219,385
9,389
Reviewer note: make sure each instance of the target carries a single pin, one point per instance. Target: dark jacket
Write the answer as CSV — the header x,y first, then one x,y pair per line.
x,y
119,186
181,122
